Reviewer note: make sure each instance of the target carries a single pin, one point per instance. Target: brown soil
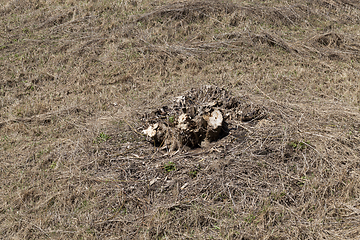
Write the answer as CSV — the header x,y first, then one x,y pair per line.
x,y
81,80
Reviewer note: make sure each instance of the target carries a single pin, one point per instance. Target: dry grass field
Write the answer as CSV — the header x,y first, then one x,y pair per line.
x,y
79,78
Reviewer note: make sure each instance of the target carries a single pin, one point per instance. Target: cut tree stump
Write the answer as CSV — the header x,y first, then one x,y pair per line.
x,y
196,118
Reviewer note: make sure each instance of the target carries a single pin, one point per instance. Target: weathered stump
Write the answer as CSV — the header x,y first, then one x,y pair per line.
x,y
196,118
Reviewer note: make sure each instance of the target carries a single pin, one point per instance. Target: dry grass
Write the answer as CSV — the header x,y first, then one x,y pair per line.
x,y
77,77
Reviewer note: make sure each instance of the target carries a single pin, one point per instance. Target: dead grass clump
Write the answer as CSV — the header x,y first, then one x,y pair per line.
x,y
188,11
291,15
19,6
59,19
341,3
272,41
330,40
335,46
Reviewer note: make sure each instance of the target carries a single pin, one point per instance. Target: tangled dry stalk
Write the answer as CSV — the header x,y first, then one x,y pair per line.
x,y
79,81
